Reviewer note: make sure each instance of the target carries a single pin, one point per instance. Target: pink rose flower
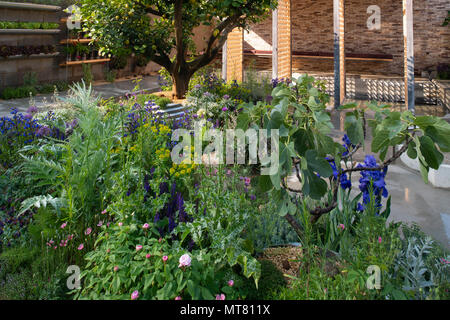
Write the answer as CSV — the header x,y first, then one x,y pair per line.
x,y
165,258
379,239
146,226
135,295
185,261
148,255
138,247
116,268
231,283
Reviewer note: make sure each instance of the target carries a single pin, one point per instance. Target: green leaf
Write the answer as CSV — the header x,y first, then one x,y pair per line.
x,y
380,140
264,183
302,141
393,124
354,128
314,186
431,154
412,153
440,134
207,294
318,164
422,163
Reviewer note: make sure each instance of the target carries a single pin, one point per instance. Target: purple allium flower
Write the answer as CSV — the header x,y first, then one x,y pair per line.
x,y
32,110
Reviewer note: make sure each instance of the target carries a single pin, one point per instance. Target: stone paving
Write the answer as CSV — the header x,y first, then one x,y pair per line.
x,y
105,90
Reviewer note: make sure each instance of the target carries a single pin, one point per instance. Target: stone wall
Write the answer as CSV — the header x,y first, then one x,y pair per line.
x,y
312,31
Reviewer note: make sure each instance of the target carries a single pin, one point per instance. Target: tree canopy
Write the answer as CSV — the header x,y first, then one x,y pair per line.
x,y
162,30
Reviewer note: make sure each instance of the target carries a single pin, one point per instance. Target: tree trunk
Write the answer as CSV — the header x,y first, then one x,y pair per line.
x,y
181,84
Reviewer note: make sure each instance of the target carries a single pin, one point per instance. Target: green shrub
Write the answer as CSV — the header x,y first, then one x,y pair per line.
x,y
271,281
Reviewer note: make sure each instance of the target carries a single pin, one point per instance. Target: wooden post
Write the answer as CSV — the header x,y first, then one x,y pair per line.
x,y
408,36
275,44
235,55
339,52
284,39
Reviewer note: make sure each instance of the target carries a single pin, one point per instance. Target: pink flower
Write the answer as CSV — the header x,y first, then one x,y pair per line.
x,y
148,255
116,268
379,239
146,226
178,298
135,295
100,224
220,297
88,231
341,226
138,247
120,224
160,240
165,258
63,225
104,212
231,283
185,261
80,247
108,250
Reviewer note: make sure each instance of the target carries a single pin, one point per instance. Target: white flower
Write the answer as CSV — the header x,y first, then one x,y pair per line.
x,y
185,261
201,112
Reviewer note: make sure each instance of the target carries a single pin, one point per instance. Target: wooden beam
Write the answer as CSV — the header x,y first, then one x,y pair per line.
x,y
275,44
339,52
408,36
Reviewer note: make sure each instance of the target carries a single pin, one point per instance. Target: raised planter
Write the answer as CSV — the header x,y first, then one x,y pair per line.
x,y
29,31
28,6
438,178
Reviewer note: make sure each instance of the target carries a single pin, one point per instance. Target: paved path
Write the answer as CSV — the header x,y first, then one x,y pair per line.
x,y
106,90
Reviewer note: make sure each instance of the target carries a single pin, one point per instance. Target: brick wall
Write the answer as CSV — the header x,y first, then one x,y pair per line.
x,y
312,30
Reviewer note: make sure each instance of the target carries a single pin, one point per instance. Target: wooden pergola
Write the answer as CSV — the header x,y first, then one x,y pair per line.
x,y
233,52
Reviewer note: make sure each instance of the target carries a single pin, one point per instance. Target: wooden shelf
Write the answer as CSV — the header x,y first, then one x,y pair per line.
x,y
80,62
75,41
31,56
29,31
28,6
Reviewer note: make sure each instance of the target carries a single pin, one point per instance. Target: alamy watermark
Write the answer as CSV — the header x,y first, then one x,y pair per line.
x,y
227,147
73,281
